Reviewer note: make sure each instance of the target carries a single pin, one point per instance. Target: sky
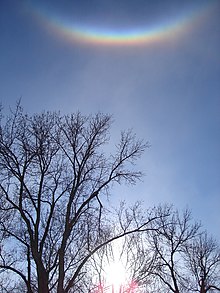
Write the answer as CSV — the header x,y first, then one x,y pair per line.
x,y
154,65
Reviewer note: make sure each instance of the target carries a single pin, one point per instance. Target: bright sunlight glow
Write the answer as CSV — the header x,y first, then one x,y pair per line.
x,y
115,275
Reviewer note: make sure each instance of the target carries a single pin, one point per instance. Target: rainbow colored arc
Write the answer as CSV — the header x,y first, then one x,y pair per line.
x,y
94,35
115,37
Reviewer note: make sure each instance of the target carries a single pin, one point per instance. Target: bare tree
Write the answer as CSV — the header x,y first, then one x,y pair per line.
x,y
203,261
53,181
169,242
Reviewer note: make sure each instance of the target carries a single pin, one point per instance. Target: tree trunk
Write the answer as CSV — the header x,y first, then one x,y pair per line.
x,y
202,289
42,279
60,288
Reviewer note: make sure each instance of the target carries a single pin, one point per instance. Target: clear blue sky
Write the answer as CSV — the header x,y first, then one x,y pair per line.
x,y
165,84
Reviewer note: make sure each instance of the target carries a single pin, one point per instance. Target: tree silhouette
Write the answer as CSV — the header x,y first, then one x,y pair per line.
x,y
53,181
57,229
168,244
203,261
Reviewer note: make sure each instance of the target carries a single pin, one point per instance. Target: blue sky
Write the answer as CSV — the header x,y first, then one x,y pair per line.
x,y
167,90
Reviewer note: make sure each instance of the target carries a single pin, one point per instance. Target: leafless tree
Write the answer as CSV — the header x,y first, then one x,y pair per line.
x,y
203,261
168,242
53,181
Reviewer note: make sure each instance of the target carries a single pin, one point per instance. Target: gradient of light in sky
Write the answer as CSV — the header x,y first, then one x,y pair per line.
x,y
154,65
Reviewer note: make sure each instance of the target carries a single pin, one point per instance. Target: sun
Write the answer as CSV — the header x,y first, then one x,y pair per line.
x,y
115,275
